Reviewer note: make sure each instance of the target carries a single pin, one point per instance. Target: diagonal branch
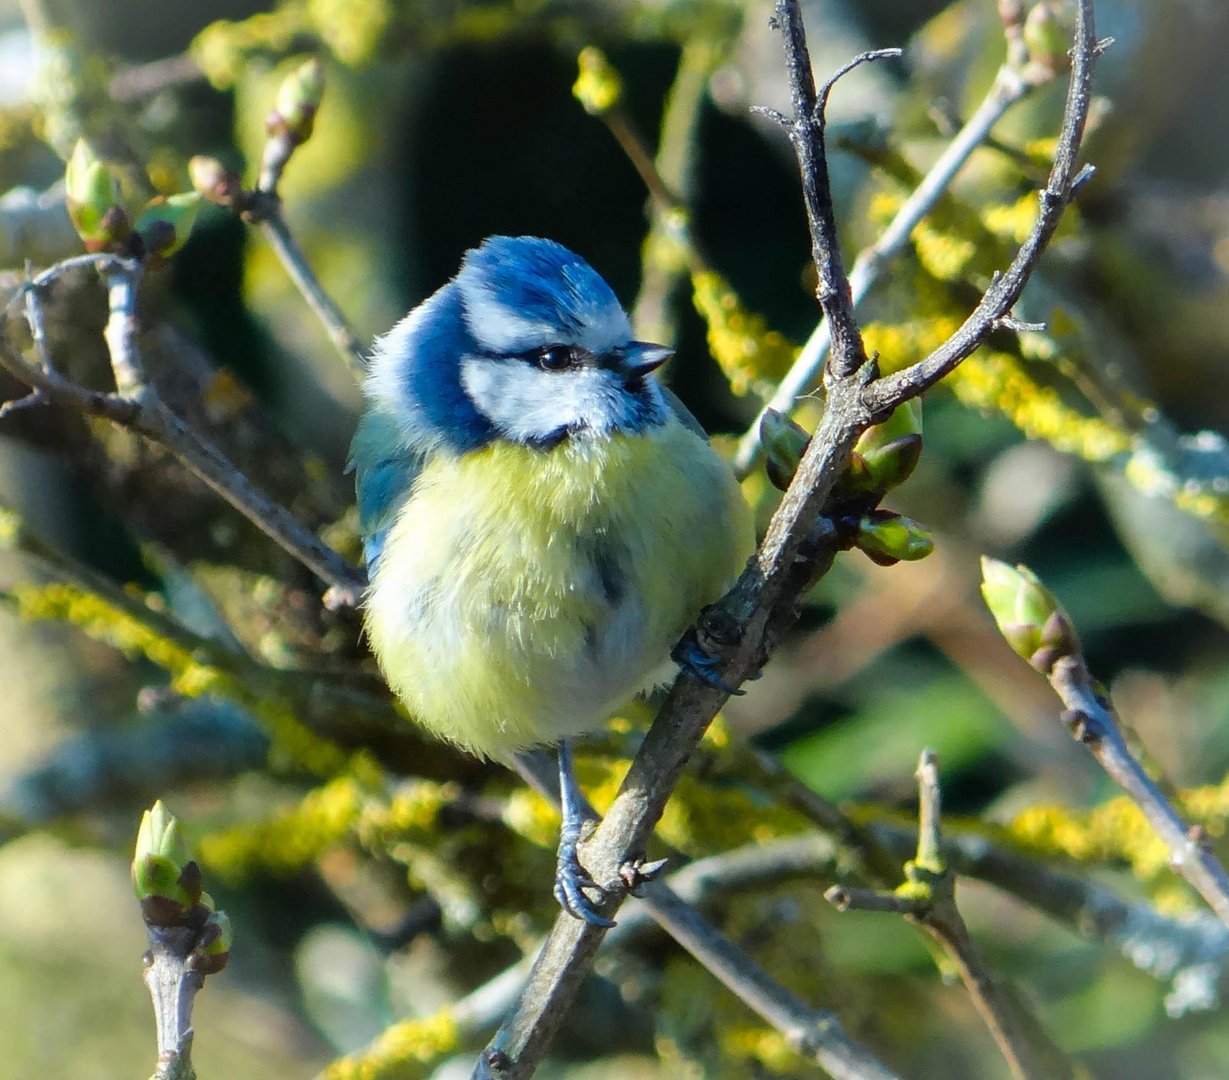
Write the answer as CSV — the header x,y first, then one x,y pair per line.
x,y
136,404
1092,722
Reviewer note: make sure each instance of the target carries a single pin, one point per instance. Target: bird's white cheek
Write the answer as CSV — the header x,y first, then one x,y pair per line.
x,y
527,403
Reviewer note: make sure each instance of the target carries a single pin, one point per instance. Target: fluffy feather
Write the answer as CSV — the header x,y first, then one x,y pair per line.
x,y
523,596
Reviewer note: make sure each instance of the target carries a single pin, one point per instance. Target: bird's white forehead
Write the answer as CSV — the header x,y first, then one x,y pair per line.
x,y
505,331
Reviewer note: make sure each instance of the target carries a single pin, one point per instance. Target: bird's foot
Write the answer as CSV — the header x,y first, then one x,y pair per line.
x,y
571,881
693,658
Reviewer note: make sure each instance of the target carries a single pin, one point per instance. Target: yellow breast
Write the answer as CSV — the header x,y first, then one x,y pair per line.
x,y
523,595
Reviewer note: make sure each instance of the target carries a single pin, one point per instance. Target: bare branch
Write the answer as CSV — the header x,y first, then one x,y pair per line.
x,y
806,132
928,898
1092,722
815,1033
273,227
868,57
742,628
137,405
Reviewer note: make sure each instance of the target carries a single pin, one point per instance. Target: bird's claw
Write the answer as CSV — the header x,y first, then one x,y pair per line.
x,y
571,881
691,656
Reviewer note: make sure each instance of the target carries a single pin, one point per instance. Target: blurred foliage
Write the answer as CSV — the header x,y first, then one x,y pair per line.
x,y
155,643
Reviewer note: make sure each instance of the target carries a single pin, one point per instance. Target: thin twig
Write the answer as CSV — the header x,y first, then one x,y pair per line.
x,y
1092,722
814,1033
806,132
137,405
1005,290
1194,945
275,230
263,207
173,985
928,898
1010,86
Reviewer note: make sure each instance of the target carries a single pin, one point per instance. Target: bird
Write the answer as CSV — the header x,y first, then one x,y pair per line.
x,y
541,518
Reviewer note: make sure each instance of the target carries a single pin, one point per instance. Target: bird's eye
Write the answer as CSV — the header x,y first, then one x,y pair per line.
x,y
555,358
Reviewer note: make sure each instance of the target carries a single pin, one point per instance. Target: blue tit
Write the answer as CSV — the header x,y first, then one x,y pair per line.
x,y
541,518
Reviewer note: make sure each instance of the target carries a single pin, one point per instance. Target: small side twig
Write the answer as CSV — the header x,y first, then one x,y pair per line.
x,y
815,1033
275,230
928,898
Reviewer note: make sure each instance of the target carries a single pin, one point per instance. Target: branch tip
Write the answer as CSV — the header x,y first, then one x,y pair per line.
x,y
1081,178
868,57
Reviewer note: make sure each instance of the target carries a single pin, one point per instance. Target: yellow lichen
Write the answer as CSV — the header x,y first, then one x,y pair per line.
x,y
998,382
1117,831
352,29
406,1050
751,356
292,838
944,254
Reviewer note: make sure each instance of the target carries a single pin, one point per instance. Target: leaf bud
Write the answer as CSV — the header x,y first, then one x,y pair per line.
x,y
298,101
888,538
166,223
598,86
784,444
1028,615
92,196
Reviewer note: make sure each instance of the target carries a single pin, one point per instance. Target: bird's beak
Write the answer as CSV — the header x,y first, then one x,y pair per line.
x,y
637,358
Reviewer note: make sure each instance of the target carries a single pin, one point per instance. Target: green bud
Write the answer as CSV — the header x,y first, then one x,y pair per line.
x,y
888,538
166,223
1048,31
161,834
890,450
212,952
156,875
92,195
218,934
784,444
298,101
214,181
166,879
598,86
1028,615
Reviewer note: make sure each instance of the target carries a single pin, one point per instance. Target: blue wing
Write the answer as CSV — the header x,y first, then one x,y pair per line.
x,y
384,471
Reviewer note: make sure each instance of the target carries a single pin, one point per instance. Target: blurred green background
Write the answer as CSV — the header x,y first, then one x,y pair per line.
x,y
444,123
